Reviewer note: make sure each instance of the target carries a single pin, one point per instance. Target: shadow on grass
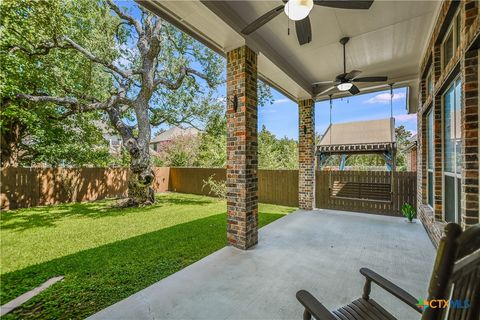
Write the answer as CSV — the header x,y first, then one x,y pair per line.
x,y
99,277
47,216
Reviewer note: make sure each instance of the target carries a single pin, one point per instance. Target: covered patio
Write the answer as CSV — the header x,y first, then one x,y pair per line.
x,y
384,38
317,250
320,251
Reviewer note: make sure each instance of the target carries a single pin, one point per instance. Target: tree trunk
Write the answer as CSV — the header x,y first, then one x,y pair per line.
x,y
9,144
140,192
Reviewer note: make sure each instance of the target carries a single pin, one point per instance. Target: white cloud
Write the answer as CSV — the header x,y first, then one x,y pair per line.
x,y
280,101
385,98
406,117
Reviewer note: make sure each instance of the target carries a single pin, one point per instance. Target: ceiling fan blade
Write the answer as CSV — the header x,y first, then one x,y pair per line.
x,y
321,91
354,90
352,74
345,4
323,82
304,31
262,20
370,79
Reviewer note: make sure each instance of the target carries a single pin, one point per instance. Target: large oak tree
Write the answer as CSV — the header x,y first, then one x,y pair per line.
x,y
143,72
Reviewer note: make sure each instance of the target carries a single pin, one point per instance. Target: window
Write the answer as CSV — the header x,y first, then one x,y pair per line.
x,y
448,48
452,40
452,145
430,155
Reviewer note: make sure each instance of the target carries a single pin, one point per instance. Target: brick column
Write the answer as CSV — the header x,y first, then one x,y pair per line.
x,y
437,140
242,163
470,150
306,155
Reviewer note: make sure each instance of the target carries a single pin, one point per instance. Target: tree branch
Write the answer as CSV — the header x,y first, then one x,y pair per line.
x,y
169,84
136,24
182,74
92,57
75,106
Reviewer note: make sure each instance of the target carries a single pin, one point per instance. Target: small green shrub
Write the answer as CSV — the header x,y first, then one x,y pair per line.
x,y
217,188
408,211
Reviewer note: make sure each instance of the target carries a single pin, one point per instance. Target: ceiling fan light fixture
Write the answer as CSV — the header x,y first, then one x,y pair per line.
x,y
345,86
298,9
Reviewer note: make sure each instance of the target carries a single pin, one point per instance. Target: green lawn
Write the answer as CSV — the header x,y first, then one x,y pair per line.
x,y
105,253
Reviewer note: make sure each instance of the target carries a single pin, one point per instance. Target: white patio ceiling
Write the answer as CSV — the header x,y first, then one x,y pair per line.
x,y
388,39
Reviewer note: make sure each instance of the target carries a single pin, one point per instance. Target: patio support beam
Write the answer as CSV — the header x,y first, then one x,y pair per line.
x,y
306,155
242,158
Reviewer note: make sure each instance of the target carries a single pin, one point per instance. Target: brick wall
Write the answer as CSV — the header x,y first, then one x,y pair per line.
x,y
470,178
465,62
306,155
242,162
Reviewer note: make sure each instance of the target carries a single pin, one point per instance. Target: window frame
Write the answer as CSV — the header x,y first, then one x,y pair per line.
x,y
456,175
429,82
452,28
430,126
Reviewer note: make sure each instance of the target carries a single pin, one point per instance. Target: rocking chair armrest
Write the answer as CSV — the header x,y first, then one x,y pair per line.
x,y
313,307
388,286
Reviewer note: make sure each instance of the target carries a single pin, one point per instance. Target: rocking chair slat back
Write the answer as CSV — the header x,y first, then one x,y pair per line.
x,y
456,275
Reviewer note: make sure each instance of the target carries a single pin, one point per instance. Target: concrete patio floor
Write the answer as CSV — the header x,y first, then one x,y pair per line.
x,y
320,251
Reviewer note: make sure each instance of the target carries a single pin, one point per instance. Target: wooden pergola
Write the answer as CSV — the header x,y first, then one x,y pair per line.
x,y
360,137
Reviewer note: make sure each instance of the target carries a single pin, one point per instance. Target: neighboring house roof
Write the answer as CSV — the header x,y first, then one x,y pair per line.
x,y
412,143
174,132
360,132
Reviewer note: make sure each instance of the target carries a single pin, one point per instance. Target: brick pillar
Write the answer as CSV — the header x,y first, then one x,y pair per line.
x,y
437,140
470,150
242,163
306,155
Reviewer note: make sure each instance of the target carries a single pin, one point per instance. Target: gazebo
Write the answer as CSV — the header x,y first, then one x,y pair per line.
x,y
359,137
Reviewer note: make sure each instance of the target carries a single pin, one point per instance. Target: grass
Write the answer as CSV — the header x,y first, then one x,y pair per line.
x,y
105,253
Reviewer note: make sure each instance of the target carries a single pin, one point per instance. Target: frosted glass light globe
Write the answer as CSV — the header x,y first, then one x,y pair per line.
x,y
344,86
298,9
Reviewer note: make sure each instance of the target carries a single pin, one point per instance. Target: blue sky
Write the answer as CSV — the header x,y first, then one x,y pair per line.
x,y
281,117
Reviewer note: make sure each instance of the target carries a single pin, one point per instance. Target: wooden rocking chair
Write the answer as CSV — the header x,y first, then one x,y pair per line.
x,y
455,277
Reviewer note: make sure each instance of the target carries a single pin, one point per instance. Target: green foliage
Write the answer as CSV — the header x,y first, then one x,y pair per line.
x,y
30,131
106,254
408,211
180,152
274,153
402,137
212,152
35,60
218,188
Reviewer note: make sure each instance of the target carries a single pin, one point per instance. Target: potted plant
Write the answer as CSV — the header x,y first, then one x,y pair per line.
x,y
408,211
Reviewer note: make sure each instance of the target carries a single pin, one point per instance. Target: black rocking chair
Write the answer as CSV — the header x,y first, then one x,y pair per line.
x,y
455,277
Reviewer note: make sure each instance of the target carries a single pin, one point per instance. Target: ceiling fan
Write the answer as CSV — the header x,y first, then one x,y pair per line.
x,y
298,10
344,81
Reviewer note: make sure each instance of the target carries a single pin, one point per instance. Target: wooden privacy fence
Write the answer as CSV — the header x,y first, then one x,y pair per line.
x,y
274,186
30,187
365,191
